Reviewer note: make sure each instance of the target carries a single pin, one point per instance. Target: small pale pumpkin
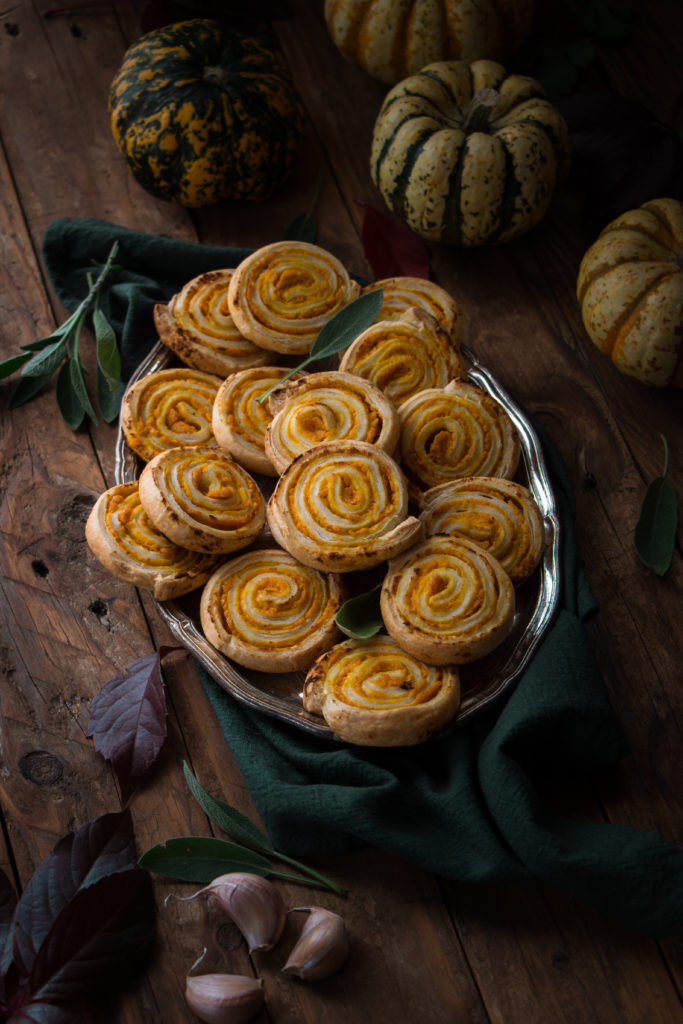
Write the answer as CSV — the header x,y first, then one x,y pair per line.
x,y
630,287
203,113
468,154
391,39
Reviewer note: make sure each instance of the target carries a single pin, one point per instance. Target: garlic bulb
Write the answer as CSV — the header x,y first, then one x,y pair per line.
x,y
321,948
223,998
252,903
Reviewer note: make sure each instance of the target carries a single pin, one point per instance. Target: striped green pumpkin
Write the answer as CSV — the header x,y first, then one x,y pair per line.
x,y
202,114
467,154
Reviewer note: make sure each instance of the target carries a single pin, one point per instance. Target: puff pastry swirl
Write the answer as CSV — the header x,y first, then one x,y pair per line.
x,y
404,356
202,499
127,543
266,611
240,420
455,432
447,601
197,326
342,506
168,409
282,295
372,693
500,515
401,293
328,406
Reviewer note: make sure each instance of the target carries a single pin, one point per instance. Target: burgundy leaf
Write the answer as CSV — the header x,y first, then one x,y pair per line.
x,y
42,1013
391,249
128,719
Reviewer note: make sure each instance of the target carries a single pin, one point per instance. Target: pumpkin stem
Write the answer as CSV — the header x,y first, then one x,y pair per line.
x,y
478,113
215,73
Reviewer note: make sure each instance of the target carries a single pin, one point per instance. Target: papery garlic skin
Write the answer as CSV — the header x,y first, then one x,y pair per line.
x,y
224,998
321,948
252,903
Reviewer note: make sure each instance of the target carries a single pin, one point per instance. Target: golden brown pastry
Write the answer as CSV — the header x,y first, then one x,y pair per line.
x,y
401,293
197,326
405,355
455,432
202,499
282,295
168,409
266,611
500,515
240,420
342,506
373,693
328,406
447,601
127,543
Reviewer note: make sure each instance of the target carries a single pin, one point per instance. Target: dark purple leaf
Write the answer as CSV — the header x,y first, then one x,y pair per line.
x,y
8,902
128,719
43,1013
391,249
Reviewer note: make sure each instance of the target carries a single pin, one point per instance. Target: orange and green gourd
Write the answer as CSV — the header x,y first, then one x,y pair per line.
x,y
203,113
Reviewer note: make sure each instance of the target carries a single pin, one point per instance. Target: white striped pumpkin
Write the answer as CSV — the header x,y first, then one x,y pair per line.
x,y
468,154
391,39
630,287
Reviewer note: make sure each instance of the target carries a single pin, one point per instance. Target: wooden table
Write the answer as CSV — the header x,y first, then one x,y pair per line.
x,y
422,949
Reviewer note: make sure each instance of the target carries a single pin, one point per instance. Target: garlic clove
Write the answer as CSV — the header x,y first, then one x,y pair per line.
x,y
224,998
252,903
321,948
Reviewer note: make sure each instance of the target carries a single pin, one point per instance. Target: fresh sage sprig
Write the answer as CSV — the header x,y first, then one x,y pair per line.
x,y
59,351
361,617
338,333
655,532
202,858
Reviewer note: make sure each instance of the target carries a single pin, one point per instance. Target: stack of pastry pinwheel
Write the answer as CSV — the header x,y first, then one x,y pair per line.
x,y
274,497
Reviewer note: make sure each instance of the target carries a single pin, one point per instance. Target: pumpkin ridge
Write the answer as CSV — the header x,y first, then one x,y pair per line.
x,y
452,226
613,337
639,229
506,207
398,196
425,73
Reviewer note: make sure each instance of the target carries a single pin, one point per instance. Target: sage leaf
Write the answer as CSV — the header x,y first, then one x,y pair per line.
x,y
108,358
302,229
11,365
26,389
201,859
108,401
655,532
361,617
68,399
78,384
46,361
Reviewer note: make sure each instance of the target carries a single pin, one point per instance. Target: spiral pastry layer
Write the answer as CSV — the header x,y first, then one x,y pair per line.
x,y
197,326
447,601
169,409
404,356
373,693
328,406
127,543
456,432
202,499
283,294
342,506
401,293
240,420
266,611
497,514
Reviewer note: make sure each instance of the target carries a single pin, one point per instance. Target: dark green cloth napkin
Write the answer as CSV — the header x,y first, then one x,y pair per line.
x,y
473,805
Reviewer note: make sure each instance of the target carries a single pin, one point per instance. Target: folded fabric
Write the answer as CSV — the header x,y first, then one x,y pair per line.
x,y
471,805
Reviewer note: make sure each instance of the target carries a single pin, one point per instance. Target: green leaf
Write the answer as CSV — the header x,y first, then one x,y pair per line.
x,y
655,532
11,365
338,333
47,361
228,818
302,229
26,389
608,21
361,617
109,401
78,384
201,859
68,400
108,358
555,64
41,343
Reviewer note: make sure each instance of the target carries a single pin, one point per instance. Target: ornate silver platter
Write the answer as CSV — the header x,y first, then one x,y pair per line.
x,y
483,682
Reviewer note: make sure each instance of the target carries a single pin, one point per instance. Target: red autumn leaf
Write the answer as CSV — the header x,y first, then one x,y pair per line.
x,y
391,249
128,719
85,917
